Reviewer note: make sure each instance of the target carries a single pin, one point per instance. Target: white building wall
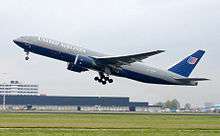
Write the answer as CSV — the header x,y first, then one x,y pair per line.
x,y
17,88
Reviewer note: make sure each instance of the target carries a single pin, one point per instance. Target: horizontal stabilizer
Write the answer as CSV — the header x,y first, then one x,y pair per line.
x,y
192,79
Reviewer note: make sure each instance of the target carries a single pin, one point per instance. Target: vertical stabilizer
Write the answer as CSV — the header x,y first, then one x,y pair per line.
x,y
186,66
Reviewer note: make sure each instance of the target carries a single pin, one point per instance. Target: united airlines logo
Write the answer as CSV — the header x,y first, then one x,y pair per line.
x,y
192,60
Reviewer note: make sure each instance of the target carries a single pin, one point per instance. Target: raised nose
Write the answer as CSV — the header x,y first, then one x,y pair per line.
x,y
18,41
15,41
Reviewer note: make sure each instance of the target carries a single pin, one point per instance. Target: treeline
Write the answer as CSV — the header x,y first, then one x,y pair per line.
x,y
173,104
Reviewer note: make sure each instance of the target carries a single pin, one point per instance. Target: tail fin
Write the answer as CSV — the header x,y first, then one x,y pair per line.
x,y
186,66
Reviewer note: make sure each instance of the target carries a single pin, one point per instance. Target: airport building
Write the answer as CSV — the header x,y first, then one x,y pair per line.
x,y
18,88
19,96
64,103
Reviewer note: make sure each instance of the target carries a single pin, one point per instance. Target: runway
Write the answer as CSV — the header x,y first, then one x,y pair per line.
x,y
116,113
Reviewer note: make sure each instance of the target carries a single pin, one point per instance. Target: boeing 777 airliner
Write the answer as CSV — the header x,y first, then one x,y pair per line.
x,y
128,66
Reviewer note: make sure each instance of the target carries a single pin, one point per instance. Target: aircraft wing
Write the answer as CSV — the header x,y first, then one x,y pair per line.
x,y
127,59
191,79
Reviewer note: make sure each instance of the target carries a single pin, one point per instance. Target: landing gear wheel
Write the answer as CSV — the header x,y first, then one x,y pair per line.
x,y
110,80
104,79
27,53
27,58
103,82
96,78
99,80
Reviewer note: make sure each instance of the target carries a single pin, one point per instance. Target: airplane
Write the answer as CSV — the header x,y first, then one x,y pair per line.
x,y
127,66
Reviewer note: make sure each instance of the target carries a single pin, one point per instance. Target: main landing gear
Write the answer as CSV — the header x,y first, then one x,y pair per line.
x,y
27,55
103,79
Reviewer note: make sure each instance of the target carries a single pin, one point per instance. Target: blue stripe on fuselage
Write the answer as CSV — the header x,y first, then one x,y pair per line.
x,y
70,58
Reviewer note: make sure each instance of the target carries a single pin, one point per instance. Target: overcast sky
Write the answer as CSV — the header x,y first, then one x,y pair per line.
x,y
114,27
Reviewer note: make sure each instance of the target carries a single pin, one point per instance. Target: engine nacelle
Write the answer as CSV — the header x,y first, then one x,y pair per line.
x,y
85,61
81,63
75,68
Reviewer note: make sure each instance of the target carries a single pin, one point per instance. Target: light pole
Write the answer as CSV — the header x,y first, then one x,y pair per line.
x,y
3,102
4,93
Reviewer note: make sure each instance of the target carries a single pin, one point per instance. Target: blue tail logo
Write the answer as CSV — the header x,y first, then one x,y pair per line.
x,y
192,60
186,66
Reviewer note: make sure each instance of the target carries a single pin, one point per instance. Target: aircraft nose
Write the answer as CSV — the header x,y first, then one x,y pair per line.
x,y
18,41
15,41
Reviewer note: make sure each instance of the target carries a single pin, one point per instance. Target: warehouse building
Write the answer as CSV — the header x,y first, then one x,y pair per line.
x,y
64,103
16,95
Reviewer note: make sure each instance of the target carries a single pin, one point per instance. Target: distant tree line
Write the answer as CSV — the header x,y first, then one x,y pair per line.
x,y
173,104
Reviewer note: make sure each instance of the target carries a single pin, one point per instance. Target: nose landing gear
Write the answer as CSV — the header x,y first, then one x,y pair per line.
x,y
27,57
103,79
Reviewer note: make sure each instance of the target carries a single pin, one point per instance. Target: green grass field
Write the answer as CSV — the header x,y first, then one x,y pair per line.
x,y
26,124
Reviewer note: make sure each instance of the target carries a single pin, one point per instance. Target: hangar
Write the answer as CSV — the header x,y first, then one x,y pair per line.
x,y
70,103
16,95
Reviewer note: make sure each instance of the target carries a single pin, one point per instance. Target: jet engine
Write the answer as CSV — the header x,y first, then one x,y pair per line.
x,y
81,64
75,68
